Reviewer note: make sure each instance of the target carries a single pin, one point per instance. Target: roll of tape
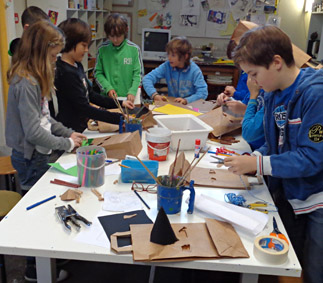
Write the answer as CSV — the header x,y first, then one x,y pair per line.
x,y
270,249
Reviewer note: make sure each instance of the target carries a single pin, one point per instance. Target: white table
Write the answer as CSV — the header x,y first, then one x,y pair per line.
x,y
39,233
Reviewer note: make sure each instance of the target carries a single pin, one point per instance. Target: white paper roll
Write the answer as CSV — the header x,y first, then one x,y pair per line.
x,y
270,249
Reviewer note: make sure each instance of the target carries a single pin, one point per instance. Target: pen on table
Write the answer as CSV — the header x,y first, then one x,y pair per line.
x,y
142,199
40,202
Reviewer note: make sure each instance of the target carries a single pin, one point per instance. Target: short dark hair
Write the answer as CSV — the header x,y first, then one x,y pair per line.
x,y
75,31
32,15
258,46
116,25
181,46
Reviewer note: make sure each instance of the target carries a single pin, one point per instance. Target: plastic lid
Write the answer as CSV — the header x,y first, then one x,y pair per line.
x,y
197,142
158,135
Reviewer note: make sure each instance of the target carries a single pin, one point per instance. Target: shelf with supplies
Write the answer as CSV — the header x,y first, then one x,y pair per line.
x,y
92,12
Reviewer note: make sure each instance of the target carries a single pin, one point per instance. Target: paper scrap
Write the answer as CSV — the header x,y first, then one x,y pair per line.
x,y
70,171
175,110
121,201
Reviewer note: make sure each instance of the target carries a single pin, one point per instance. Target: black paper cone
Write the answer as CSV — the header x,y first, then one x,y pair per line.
x,y
162,232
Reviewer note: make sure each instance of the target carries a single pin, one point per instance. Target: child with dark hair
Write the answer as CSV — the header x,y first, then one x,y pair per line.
x,y
73,90
292,155
30,15
184,78
119,67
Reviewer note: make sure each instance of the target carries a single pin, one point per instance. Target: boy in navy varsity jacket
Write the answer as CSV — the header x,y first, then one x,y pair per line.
x,y
292,155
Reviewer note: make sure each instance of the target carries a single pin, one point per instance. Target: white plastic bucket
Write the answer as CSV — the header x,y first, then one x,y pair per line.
x,y
158,142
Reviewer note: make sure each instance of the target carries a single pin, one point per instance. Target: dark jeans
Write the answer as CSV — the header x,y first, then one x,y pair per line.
x,y
306,234
29,171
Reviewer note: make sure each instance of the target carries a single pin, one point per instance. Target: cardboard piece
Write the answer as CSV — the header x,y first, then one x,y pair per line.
x,y
203,106
119,223
181,166
194,242
218,178
71,195
120,145
301,58
162,232
221,122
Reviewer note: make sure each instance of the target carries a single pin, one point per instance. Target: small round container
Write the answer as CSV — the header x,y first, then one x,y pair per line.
x,y
158,142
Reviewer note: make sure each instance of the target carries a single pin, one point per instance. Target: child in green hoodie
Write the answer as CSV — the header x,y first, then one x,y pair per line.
x,y
119,66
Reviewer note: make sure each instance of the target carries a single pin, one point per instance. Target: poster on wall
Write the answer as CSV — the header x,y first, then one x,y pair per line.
x,y
53,16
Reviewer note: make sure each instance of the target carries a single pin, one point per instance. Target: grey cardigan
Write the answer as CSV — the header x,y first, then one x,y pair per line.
x,y
23,130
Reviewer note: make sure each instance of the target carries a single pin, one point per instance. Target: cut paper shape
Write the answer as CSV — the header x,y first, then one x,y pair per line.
x,y
162,232
70,171
175,110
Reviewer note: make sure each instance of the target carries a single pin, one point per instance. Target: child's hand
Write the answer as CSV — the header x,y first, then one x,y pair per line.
x,y
159,97
241,164
236,107
129,104
253,88
131,97
221,98
77,138
181,100
229,90
112,93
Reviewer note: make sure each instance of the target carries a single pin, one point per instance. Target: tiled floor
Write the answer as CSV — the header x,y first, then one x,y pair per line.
x,y
88,272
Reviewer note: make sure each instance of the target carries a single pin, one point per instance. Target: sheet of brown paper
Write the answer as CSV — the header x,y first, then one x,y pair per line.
x,y
222,123
120,145
300,57
201,245
194,242
181,165
148,120
218,178
104,127
203,106
225,238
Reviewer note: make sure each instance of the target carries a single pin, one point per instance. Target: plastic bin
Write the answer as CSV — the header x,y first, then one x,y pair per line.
x,y
137,173
186,127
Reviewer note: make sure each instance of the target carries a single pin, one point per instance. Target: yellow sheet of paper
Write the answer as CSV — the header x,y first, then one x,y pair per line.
x,y
174,110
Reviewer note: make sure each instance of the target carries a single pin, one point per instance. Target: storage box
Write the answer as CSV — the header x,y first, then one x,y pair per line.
x,y
186,127
137,172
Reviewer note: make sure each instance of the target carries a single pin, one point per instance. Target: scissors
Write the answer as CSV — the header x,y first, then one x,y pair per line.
x,y
220,160
277,233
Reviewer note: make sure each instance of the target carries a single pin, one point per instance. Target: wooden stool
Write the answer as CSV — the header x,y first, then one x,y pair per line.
x,y
8,171
8,200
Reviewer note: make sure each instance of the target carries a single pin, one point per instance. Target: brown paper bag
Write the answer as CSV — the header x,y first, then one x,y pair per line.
x,y
120,145
194,242
218,178
222,123
181,166
300,57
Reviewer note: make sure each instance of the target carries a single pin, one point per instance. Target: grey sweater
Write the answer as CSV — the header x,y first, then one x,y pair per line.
x,y
23,130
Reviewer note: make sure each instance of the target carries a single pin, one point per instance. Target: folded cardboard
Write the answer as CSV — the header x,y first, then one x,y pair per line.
x,y
222,123
210,240
120,145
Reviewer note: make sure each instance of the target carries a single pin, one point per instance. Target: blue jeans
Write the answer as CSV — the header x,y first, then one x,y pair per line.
x,y
29,171
306,234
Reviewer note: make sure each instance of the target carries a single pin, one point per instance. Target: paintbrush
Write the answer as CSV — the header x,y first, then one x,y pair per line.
x,y
190,170
172,174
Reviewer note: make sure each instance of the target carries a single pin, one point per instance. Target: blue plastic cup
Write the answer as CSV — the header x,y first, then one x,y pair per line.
x,y
130,127
170,197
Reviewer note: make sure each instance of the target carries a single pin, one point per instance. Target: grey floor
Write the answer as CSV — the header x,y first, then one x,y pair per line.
x,y
96,272
83,271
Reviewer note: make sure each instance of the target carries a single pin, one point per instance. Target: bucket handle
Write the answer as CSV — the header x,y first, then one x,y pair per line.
x,y
90,168
157,149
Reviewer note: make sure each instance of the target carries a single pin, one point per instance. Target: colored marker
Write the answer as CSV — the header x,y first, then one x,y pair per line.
x,y
142,199
40,202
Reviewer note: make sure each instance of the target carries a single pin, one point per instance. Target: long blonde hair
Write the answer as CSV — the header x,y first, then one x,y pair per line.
x,y
32,58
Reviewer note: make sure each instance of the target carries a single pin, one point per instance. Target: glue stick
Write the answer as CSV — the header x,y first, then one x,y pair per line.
x,y
197,148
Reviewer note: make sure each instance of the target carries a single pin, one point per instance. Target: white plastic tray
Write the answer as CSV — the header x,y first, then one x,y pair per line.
x,y
186,127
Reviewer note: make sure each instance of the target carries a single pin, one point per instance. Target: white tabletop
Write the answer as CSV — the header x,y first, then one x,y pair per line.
x,y
38,232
